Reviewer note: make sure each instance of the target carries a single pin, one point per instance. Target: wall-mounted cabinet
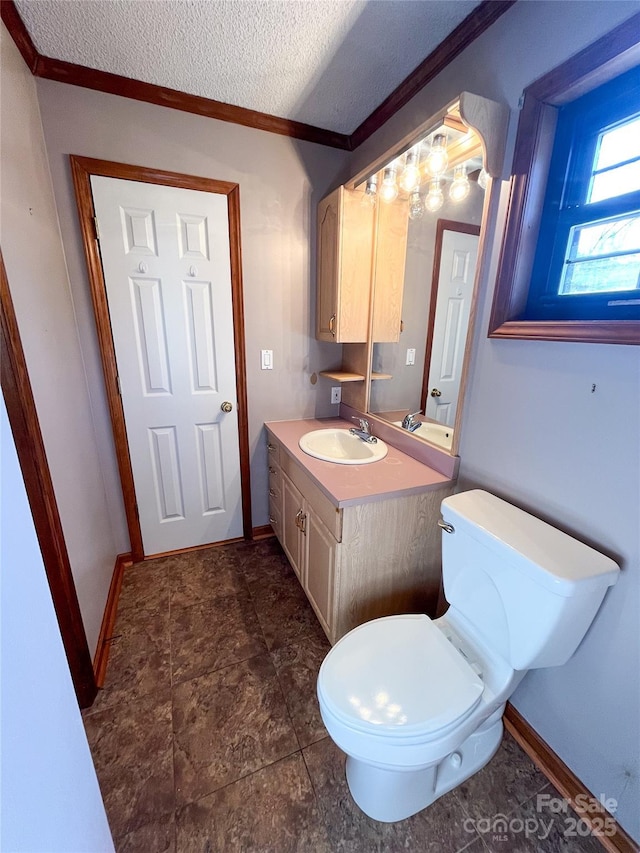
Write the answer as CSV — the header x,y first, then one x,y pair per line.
x,y
345,258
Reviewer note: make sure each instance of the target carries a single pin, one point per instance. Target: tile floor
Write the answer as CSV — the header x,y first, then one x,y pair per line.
x,y
207,736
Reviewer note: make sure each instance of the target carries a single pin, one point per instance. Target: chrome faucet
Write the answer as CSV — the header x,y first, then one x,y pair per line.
x,y
409,423
364,432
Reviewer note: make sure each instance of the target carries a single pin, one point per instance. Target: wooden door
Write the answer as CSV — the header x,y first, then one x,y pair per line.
x,y
166,264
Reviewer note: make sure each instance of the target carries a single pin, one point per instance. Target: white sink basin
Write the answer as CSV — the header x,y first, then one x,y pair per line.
x,y
339,445
435,433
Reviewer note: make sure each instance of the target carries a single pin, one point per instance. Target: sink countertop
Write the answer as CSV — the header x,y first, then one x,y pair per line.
x,y
395,475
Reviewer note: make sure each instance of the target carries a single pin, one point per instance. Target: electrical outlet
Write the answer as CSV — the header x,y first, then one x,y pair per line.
x,y
336,394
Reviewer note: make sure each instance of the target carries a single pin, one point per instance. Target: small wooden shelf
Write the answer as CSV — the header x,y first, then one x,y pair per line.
x,y
381,376
342,375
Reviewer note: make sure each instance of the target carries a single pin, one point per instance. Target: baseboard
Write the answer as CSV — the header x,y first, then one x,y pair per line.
x,y
101,657
582,801
264,532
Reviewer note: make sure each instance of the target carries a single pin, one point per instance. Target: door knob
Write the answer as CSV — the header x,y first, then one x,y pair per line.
x,y
436,393
226,407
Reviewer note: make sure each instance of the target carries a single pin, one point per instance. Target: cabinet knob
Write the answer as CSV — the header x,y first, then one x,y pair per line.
x,y
272,493
271,448
272,470
332,325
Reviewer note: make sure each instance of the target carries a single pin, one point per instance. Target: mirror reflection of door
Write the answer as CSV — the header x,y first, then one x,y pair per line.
x,y
408,361
454,271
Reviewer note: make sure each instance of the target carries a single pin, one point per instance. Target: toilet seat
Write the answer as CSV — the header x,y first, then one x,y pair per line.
x,y
397,678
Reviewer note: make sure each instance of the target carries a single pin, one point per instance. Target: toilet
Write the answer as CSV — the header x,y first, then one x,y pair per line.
x,y
416,704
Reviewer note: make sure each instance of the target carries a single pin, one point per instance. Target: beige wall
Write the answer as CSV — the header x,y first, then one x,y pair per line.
x,y
35,263
281,181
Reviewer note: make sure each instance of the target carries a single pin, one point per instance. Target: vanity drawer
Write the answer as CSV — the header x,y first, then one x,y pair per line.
x,y
330,514
273,450
275,480
275,516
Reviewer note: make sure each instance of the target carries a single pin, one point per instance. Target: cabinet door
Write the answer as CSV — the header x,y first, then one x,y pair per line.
x,y
292,537
345,263
328,249
388,288
322,550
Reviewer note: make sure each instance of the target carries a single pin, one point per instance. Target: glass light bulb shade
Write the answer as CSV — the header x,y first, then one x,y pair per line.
x,y
460,186
410,177
389,189
437,158
416,207
434,198
483,178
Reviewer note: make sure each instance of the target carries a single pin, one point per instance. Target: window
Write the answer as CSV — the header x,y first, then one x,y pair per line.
x,y
587,263
570,263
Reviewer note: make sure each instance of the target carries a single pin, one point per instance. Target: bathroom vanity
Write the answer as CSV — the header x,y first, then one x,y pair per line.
x,y
362,539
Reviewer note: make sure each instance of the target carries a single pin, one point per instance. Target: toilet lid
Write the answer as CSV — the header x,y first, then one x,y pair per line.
x,y
398,676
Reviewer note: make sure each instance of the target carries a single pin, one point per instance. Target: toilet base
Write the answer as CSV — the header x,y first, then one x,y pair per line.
x,y
393,795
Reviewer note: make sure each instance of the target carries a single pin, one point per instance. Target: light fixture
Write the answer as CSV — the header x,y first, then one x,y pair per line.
x,y
434,198
416,206
389,188
370,195
410,177
483,178
460,186
437,158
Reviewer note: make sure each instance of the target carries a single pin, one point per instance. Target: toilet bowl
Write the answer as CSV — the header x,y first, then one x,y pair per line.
x,y
416,704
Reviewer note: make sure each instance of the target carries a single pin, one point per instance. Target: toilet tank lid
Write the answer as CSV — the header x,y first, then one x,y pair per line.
x,y
549,556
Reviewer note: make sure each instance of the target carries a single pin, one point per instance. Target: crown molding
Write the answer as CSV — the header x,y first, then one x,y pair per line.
x,y
482,17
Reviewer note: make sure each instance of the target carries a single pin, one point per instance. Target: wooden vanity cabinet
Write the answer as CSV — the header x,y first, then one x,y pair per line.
x,y
345,258
358,562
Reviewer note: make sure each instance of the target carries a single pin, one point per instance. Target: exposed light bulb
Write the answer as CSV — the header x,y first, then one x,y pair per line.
x,y
460,186
434,199
370,195
389,188
410,177
483,178
416,206
437,158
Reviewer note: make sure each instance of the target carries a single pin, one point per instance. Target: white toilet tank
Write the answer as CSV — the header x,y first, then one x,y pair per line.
x,y
530,590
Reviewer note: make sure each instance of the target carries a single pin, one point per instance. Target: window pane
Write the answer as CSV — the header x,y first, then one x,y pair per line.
x,y
624,179
618,145
602,275
605,238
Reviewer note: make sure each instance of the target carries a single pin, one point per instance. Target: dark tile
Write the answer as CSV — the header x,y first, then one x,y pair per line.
x,y
131,745
145,590
533,826
207,575
213,634
228,724
265,561
507,781
297,667
271,810
285,614
440,828
139,660
156,837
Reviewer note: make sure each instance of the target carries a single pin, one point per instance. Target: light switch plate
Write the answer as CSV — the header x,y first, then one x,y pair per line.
x,y
266,359
411,356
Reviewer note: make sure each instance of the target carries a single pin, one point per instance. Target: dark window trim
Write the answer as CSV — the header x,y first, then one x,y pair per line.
x,y
610,56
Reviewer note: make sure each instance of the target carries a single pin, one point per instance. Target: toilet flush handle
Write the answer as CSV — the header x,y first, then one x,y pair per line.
x,y
448,528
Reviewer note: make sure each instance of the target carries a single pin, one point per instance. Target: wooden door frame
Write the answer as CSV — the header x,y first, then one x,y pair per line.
x,y
82,168
442,225
23,419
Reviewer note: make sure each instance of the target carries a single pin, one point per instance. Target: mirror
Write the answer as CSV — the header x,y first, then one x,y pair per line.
x,y
431,195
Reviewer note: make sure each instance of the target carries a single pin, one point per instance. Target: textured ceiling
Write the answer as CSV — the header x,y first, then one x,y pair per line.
x,y
327,63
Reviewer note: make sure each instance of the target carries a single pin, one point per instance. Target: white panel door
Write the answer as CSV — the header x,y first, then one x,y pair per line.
x,y
166,261
455,289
